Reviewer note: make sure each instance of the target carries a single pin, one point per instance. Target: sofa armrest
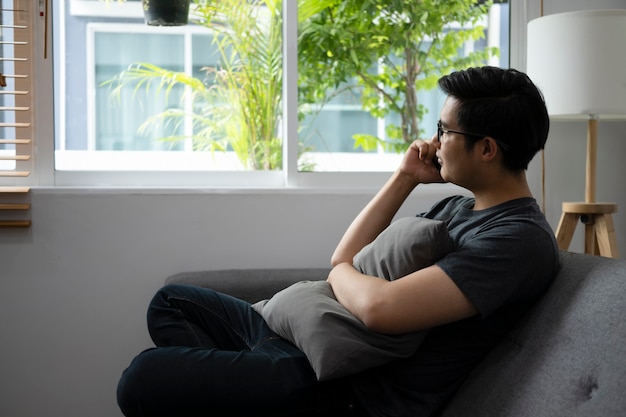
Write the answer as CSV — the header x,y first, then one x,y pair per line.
x,y
251,285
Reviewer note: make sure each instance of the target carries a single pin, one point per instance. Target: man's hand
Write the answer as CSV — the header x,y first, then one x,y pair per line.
x,y
418,163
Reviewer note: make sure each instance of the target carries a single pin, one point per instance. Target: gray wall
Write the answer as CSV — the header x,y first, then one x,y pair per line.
x,y
74,287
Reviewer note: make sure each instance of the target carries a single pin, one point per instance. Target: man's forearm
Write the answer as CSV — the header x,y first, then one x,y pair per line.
x,y
355,291
374,218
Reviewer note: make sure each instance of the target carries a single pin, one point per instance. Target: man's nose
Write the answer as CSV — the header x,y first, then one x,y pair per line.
x,y
435,140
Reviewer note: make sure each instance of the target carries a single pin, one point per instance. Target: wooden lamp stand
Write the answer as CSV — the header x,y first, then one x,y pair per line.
x,y
597,217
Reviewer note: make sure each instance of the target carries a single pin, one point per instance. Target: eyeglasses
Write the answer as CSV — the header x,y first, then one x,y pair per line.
x,y
441,130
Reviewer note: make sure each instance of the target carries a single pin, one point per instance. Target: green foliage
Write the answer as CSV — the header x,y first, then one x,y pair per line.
x,y
238,104
387,49
412,43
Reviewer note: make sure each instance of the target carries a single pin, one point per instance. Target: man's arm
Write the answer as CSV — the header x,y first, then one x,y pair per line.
x,y
418,301
421,300
416,168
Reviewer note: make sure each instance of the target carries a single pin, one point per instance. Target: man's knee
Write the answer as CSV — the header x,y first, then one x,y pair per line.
x,y
164,294
133,386
161,303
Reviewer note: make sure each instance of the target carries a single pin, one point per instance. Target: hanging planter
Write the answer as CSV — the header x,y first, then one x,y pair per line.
x,y
166,12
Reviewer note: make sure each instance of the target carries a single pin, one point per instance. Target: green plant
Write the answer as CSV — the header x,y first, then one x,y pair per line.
x,y
238,105
393,48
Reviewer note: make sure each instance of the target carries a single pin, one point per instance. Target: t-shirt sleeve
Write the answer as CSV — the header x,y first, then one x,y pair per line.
x,y
505,263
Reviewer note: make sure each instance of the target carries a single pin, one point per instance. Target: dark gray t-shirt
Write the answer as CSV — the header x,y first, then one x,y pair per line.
x,y
505,257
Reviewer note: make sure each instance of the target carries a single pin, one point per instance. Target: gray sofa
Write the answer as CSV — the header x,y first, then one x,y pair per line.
x,y
566,358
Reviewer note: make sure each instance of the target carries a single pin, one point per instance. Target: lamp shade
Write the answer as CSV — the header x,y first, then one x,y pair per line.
x,y
578,60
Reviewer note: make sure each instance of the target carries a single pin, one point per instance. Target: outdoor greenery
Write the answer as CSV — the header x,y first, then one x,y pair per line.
x,y
388,50
238,104
385,50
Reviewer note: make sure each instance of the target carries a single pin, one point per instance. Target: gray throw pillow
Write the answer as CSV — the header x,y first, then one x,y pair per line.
x,y
407,245
335,342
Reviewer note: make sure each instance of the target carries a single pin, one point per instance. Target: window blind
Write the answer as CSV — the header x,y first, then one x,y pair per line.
x,y
16,111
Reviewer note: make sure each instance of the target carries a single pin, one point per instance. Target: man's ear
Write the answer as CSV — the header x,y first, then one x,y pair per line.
x,y
489,148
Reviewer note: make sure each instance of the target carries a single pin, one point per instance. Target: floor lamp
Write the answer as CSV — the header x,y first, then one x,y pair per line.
x,y
578,60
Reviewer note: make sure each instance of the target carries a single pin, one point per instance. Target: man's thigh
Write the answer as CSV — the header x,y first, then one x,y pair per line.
x,y
184,315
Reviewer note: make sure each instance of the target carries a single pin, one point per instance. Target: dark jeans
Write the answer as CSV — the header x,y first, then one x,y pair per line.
x,y
216,356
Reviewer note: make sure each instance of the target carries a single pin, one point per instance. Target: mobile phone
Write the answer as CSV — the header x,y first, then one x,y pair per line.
x,y
437,164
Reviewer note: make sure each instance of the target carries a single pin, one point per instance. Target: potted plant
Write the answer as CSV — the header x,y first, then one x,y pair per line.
x,y
238,104
163,12
166,12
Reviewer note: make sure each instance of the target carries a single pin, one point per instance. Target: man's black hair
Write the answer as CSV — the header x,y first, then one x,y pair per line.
x,y
504,104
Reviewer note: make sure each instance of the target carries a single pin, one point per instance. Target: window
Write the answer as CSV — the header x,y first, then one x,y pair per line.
x,y
107,136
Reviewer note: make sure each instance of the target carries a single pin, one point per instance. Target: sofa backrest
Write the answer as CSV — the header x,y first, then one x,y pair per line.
x,y
567,357
251,285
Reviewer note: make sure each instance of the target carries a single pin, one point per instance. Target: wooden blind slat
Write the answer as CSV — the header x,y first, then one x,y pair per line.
x,y
3,124
15,223
15,141
14,173
15,75
14,190
15,93
14,206
16,110
14,157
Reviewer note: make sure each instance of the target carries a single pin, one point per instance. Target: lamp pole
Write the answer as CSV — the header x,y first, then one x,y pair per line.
x,y
592,151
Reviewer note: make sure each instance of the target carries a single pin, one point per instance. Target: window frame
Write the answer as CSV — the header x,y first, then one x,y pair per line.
x,y
289,177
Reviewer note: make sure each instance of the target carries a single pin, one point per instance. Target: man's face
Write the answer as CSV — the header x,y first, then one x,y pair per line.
x,y
456,161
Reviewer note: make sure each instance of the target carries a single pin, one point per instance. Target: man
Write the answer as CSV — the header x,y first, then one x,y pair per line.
x,y
216,356
491,125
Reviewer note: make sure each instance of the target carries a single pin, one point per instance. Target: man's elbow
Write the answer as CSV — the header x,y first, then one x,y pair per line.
x,y
337,259
380,315
372,316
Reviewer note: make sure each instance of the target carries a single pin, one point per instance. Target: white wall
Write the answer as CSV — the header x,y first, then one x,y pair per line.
x,y
565,173
74,287
566,149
